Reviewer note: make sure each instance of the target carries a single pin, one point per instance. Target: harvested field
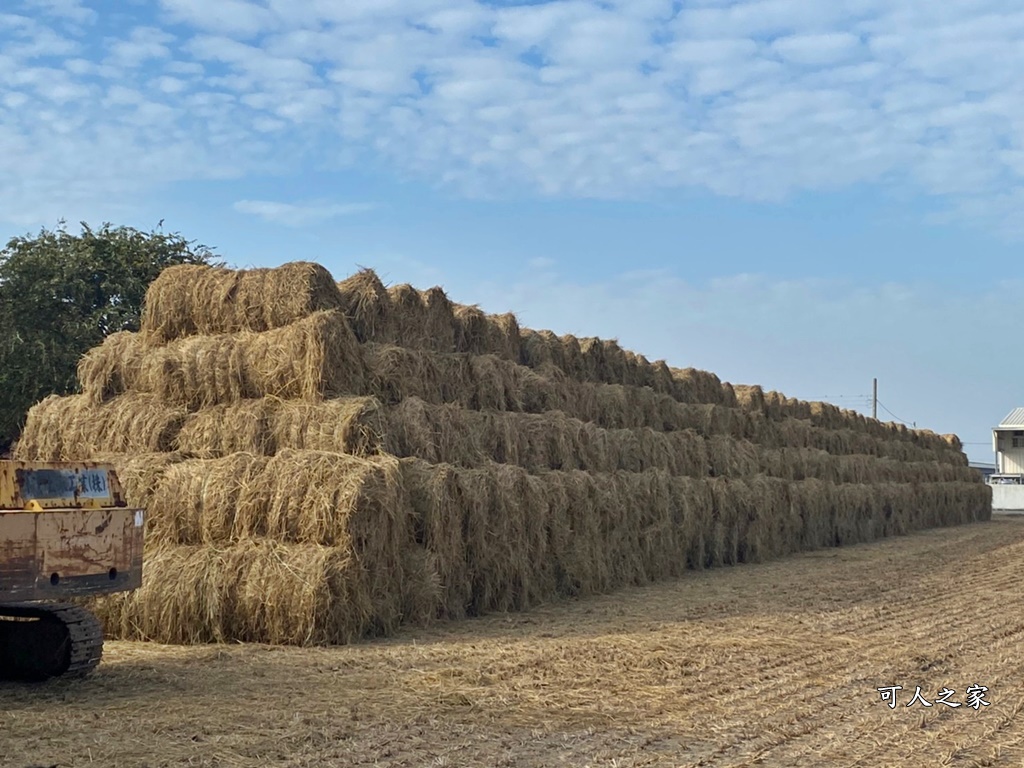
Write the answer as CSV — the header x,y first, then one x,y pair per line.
x,y
728,667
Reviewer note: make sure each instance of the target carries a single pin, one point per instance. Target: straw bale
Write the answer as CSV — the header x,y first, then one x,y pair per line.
x,y
774,404
506,539
198,501
439,316
537,442
724,532
729,396
396,373
639,373
439,517
614,368
409,313
580,559
422,589
732,458
354,425
551,349
502,336
140,473
954,443
313,359
479,333
696,386
592,358
662,380
295,496
774,526
495,383
660,551
413,430
471,331
196,299
113,367
691,505
367,305
571,357
710,420
827,415
74,428
423,320
252,591
445,434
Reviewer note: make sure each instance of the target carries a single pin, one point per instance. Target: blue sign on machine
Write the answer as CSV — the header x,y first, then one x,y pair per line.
x,y
59,484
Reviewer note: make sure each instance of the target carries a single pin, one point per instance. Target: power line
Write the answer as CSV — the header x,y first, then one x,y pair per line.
x,y
892,414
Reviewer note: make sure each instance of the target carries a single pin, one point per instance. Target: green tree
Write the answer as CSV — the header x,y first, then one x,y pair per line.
x,y
61,294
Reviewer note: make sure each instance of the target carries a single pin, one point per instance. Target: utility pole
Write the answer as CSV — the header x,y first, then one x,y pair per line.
x,y
874,401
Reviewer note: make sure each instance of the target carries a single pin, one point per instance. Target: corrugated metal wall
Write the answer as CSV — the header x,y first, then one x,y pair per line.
x,y
1013,461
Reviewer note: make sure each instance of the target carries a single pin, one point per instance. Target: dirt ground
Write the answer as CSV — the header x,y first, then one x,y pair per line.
x,y
774,665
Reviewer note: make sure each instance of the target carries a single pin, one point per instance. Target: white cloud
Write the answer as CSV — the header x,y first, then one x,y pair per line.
x,y
68,10
817,49
299,214
758,99
143,44
227,16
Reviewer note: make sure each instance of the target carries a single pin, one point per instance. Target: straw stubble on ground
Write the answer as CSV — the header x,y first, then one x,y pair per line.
x,y
774,664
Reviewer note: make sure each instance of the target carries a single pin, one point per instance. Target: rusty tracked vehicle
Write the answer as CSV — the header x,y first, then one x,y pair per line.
x,y
66,532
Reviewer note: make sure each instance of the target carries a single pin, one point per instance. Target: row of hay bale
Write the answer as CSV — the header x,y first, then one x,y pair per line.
x,y
73,428
198,300
191,300
320,462
317,547
317,358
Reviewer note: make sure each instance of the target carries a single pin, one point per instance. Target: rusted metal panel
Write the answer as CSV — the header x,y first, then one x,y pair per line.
x,y
18,549
54,553
54,485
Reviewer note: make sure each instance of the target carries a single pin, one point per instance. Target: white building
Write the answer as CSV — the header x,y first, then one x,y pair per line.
x,y
1008,480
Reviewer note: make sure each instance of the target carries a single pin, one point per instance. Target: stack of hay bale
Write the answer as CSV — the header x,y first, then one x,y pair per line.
x,y
323,462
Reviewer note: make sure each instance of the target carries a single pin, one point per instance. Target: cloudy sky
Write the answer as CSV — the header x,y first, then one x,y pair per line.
x,y
795,193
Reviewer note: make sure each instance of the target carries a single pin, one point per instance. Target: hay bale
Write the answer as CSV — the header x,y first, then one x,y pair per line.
x,y
356,505
438,521
447,434
541,349
506,539
571,357
396,373
195,299
252,591
498,439
696,386
199,501
494,385
423,320
314,497
749,397
112,368
367,305
691,506
75,428
353,425
439,319
140,473
314,359
471,330
502,336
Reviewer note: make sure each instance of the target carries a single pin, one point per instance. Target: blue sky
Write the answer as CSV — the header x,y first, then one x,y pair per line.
x,y
794,193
